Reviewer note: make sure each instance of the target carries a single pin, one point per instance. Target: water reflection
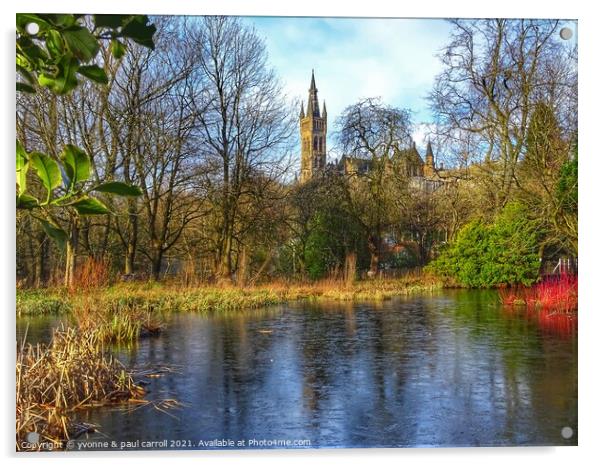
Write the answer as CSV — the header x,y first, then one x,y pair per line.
x,y
448,370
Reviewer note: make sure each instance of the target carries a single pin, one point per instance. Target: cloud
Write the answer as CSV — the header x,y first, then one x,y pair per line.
x,y
354,58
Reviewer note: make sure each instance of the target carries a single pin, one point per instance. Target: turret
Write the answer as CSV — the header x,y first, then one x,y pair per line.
x,y
429,160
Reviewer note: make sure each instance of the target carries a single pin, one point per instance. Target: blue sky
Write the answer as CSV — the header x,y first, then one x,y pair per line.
x,y
353,58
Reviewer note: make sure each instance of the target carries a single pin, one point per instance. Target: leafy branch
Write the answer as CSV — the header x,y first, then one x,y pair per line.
x,y
65,184
55,53
61,48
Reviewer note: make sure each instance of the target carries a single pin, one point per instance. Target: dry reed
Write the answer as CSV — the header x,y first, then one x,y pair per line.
x,y
72,372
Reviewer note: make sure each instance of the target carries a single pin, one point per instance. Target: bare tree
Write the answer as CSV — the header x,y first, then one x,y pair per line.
x,y
494,73
243,121
378,134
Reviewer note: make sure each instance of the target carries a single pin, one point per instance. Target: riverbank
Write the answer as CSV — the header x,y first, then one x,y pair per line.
x,y
158,298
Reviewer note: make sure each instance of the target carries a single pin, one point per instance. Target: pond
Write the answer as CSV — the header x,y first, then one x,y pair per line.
x,y
449,369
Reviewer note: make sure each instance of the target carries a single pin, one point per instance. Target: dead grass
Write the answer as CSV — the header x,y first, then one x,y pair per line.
x,y
72,372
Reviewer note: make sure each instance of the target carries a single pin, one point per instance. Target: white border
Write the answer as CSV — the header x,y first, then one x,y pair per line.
x,y
590,323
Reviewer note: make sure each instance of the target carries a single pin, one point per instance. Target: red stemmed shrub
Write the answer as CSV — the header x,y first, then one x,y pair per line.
x,y
552,293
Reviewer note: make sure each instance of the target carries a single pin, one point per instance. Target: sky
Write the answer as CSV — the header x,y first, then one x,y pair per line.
x,y
395,59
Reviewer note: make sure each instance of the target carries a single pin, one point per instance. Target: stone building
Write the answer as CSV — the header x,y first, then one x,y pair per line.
x,y
313,126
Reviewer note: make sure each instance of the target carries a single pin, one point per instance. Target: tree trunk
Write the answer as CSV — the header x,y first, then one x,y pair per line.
x,y
242,271
40,271
156,262
71,259
374,248
130,253
350,261
224,267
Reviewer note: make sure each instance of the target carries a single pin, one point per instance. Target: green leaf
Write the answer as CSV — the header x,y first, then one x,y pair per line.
x,y
90,206
60,20
27,202
54,43
109,21
22,87
95,73
47,170
77,164
139,31
55,232
81,42
22,167
29,55
117,49
64,80
119,188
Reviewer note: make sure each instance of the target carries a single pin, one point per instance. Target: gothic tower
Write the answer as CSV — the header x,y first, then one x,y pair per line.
x,y
429,163
312,126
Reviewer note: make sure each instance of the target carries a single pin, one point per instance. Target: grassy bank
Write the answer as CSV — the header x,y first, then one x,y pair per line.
x,y
143,300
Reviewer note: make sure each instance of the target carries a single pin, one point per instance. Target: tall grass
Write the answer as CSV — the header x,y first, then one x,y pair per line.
x,y
114,321
92,273
140,306
72,372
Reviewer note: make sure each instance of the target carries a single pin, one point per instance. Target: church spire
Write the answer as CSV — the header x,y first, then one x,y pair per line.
x,y
324,109
302,114
313,106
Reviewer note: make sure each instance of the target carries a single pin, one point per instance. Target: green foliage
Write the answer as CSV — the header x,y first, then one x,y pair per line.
x,y
94,72
42,302
25,201
333,234
22,167
60,50
55,232
567,187
66,188
504,252
90,206
406,258
318,257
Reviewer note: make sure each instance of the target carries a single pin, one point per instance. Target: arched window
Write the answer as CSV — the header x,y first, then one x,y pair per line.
x,y
315,142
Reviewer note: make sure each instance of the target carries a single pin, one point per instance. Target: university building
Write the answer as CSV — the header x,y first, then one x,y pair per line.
x,y
313,127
